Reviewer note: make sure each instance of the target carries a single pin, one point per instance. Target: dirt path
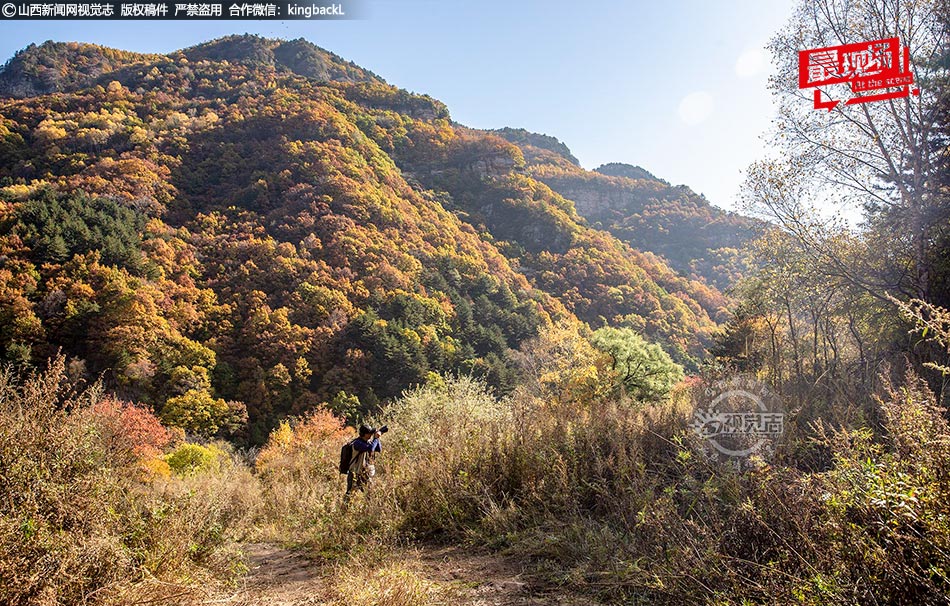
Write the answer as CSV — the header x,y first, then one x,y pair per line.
x,y
493,580
280,577
439,575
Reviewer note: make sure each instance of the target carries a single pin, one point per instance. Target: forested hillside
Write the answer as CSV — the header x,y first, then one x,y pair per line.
x,y
697,240
247,228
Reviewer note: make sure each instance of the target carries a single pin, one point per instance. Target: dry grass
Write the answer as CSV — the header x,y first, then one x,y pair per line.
x,y
390,583
77,524
602,495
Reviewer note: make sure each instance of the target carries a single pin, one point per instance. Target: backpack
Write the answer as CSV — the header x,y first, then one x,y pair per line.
x,y
346,456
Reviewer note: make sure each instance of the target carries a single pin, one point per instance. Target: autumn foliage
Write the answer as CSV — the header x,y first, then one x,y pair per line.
x,y
231,242
132,427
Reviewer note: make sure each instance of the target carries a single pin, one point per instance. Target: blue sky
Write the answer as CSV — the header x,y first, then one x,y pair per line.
x,y
678,87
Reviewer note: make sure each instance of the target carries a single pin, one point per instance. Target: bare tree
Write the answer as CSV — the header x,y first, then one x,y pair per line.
x,y
877,156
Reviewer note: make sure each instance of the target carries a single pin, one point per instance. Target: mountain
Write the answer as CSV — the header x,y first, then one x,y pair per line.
x,y
599,278
257,225
70,66
695,238
57,66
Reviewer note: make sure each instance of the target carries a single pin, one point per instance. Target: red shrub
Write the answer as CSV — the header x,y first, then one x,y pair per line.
x,y
131,428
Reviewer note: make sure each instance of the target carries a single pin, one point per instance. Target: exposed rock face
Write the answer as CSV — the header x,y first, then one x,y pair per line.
x,y
595,204
695,237
493,166
598,202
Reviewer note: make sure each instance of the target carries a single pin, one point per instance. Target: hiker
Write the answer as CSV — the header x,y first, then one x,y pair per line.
x,y
362,467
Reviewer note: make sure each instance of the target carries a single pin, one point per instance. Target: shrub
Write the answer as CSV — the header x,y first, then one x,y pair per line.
x,y
599,494
198,412
643,369
130,428
190,459
302,489
316,435
58,481
871,530
77,525
449,447
155,469
463,463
